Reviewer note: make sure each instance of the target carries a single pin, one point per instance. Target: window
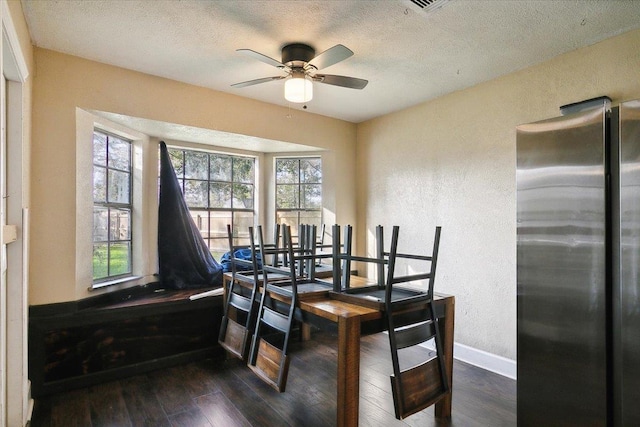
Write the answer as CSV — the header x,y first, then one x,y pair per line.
x,y
112,206
299,191
219,190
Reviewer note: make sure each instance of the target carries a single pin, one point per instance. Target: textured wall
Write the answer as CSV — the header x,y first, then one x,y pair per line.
x,y
451,162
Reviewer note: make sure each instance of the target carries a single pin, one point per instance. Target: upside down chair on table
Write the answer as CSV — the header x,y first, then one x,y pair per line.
x,y
269,350
410,320
418,387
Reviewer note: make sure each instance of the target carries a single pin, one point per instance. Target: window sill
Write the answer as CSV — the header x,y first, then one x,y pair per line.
x,y
114,282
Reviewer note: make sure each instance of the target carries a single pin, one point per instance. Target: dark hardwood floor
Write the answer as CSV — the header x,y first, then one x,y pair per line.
x,y
226,393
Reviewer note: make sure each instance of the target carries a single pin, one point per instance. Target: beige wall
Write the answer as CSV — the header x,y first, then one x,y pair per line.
x,y
451,162
63,83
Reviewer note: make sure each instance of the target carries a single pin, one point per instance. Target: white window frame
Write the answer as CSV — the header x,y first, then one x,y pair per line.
x,y
144,213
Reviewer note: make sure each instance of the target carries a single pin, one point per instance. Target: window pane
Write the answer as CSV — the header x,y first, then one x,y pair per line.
x,y
119,154
220,168
219,221
287,197
219,243
310,170
215,181
111,226
287,171
243,196
312,196
100,261
241,222
196,165
99,149
118,187
195,193
177,160
311,218
119,260
99,184
243,170
100,224
119,224
218,247
220,195
201,220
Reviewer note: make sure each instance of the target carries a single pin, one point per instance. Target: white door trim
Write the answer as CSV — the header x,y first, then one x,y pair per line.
x,y
14,66
3,277
17,402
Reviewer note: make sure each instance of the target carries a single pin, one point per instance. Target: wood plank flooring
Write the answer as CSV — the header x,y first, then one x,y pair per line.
x,y
226,393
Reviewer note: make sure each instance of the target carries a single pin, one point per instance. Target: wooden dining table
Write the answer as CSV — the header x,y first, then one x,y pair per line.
x,y
351,321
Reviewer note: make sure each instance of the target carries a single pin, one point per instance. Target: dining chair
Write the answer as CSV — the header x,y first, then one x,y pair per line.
x,y
268,357
238,318
419,386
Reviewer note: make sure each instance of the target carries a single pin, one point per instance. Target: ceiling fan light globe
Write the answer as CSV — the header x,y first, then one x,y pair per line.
x,y
298,89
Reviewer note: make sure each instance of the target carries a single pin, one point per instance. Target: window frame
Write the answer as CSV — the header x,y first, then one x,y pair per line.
x,y
108,205
299,210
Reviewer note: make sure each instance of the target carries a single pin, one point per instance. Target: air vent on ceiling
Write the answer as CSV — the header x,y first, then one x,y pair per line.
x,y
427,5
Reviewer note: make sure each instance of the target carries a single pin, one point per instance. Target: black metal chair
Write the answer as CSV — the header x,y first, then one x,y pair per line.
x,y
323,269
341,256
418,387
307,253
274,255
238,319
275,321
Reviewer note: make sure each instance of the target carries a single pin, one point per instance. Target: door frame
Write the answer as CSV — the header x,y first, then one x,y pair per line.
x,y
16,402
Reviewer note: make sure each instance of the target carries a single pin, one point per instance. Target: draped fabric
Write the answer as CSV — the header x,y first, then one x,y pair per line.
x,y
184,258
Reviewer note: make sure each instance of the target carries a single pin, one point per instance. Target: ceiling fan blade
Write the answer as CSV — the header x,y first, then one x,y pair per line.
x,y
331,56
343,81
257,81
260,57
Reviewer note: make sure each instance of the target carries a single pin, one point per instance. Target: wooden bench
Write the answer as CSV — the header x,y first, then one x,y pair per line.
x,y
123,333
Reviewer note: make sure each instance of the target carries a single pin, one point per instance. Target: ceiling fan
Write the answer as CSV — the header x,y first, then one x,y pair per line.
x,y
300,63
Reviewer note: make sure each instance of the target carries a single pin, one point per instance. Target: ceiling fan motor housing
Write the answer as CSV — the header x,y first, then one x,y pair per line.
x,y
297,54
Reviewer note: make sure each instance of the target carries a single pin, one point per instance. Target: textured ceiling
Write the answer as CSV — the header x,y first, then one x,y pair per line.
x,y
408,55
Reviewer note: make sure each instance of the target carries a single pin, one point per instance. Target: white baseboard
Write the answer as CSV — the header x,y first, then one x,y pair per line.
x,y
483,359
30,412
31,403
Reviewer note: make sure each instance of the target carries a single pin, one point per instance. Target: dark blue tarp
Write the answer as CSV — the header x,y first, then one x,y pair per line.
x,y
243,254
184,258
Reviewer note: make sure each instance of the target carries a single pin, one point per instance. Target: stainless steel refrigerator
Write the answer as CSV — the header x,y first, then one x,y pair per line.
x,y
578,268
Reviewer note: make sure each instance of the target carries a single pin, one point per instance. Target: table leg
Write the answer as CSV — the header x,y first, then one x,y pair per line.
x,y
348,371
305,330
443,407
